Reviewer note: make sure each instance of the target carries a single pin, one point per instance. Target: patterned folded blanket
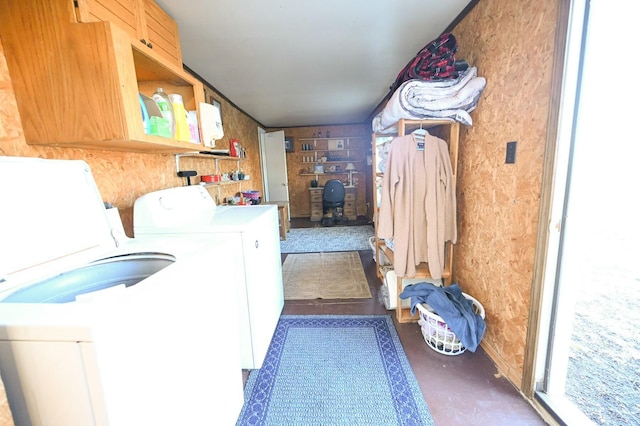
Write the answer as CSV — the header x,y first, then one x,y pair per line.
x,y
435,61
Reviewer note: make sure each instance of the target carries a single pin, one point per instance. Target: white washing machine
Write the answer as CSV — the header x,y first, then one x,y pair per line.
x,y
190,211
100,329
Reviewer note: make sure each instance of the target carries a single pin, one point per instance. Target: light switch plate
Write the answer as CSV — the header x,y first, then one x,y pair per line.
x,y
511,152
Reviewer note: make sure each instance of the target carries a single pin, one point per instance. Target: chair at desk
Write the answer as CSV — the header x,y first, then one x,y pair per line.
x,y
332,199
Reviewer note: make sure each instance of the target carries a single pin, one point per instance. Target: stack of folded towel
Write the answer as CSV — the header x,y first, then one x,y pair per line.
x,y
444,88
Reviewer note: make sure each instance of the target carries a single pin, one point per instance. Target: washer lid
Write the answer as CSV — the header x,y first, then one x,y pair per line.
x,y
51,210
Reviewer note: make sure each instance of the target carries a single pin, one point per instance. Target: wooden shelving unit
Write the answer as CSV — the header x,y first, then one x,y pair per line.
x,y
218,170
324,159
450,132
350,146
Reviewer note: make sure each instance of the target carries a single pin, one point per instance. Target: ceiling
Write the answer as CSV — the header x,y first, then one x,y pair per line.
x,y
290,63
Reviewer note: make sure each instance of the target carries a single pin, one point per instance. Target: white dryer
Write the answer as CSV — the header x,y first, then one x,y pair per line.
x,y
191,212
100,329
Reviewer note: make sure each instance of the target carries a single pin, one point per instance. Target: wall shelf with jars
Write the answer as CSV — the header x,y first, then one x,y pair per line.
x,y
227,171
331,156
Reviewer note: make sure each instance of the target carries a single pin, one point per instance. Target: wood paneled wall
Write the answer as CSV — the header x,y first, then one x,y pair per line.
x,y
299,202
512,44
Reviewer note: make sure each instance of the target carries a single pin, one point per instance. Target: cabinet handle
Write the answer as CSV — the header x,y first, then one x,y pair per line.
x,y
143,41
257,244
150,45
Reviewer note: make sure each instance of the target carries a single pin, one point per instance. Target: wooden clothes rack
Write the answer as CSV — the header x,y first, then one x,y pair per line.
x,y
449,132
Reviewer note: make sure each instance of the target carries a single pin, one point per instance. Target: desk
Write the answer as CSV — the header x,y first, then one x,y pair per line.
x,y
283,217
349,211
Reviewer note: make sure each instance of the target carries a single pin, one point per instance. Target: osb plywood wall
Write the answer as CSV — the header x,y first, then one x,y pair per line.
x,y
512,44
360,137
121,176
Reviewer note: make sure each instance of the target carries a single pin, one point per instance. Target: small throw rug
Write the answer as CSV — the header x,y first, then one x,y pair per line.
x,y
338,238
334,370
338,275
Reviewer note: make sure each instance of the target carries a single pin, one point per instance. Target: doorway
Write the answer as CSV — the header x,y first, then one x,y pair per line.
x,y
588,363
274,166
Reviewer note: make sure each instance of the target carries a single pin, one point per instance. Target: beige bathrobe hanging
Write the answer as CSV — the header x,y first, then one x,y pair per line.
x,y
418,204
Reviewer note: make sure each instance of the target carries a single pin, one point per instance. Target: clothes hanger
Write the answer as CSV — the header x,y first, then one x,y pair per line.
x,y
419,134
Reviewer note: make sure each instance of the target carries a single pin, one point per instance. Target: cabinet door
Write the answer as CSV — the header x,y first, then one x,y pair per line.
x,y
316,204
123,13
263,271
350,204
162,32
143,20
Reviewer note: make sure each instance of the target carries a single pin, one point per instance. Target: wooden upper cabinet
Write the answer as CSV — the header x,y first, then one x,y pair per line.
x,y
78,85
123,13
162,32
143,20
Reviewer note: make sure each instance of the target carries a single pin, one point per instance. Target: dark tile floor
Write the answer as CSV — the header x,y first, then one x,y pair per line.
x,y
464,389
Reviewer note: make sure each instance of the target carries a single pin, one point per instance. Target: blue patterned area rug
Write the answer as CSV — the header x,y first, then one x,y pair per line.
x,y
326,239
334,370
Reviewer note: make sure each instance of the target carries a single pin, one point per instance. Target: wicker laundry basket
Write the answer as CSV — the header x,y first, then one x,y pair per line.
x,y
436,332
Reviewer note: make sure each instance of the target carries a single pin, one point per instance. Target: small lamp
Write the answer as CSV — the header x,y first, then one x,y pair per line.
x,y
350,168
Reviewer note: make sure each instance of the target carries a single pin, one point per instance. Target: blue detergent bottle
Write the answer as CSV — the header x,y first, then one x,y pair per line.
x,y
146,124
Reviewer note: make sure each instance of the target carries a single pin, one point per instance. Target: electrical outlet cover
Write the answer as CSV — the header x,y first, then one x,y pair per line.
x,y
511,153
